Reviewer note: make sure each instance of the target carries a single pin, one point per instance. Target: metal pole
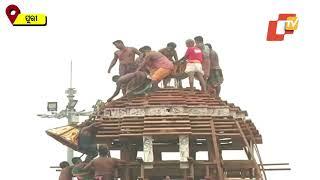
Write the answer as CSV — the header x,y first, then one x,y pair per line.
x,y
69,155
69,150
71,74
70,111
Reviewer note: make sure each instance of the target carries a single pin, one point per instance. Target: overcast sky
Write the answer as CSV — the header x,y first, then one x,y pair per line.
x,y
276,82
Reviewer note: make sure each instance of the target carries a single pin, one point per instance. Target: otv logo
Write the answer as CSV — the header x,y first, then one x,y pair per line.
x,y
291,24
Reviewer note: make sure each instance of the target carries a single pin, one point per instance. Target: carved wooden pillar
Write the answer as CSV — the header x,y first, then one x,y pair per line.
x,y
184,151
148,151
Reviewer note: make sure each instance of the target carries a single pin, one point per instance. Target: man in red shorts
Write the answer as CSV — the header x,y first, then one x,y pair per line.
x,y
159,66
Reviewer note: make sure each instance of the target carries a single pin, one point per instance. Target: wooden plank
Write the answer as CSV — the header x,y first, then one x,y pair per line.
x,y
202,130
200,125
107,125
109,128
175,128
225,126
129,135
238,164
224,122
216,152
171,117
133,127
228,134
130,130
131,123
258,172
106,136
200,134
166,133
109,132
167,126
165,121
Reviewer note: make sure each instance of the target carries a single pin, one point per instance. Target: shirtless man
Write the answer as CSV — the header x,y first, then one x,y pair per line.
x,y
126,56
158,65
87,138
216,77
79,170
171,54
206,56
66,169
104,166
131,79
170,51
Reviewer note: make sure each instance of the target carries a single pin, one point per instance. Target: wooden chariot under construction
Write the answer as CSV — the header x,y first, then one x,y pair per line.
x,y
179,120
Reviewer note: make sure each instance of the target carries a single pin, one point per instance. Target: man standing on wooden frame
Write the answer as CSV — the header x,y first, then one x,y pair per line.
x,y
126,56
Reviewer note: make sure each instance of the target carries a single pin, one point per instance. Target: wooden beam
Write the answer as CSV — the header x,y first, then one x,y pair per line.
x,y
258,172
216,152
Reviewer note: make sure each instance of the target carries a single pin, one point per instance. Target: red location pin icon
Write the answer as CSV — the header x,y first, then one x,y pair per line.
x,y
12,12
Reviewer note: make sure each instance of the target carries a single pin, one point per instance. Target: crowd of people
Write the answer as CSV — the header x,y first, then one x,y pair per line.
x,y
100,168
200,61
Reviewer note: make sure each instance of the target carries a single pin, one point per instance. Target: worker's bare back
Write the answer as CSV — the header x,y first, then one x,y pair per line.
x,y
66,174
105,166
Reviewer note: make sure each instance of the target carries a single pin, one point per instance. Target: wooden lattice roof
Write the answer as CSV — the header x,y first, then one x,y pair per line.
x,y
211,124
174,112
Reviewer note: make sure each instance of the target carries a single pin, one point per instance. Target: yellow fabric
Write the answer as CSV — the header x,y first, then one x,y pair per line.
x,y
159,74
